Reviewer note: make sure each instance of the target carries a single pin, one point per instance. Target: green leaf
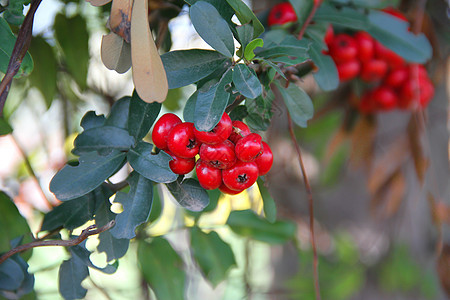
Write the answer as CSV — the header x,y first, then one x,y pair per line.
x,y
246,15
73,37
211,103
189,194
395,35
245,34
7,41
327,77
346,17
93,169
137,204
83,254
246,81
43,76
249,53
273,66
239,113
289,46
154,167
270,209
156,211
11,275
5,128
212,27
103,140
189,108
71,273
302,9
162,268
119,115
248,224
91,120
222,7
184,67
214,257
298,103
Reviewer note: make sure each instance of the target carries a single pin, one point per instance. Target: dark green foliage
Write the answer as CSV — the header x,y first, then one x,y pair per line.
x,y
327,76
189,194
246,81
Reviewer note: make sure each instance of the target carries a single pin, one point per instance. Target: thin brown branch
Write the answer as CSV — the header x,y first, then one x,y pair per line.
x,y
311,206
91,230
308,20
235,103
18,53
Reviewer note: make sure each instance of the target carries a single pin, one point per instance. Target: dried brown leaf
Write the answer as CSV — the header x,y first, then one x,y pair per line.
x,y
149,76
363,139
443,268
120,18
440,211
335,143
116,53
98,2
415,132
388,198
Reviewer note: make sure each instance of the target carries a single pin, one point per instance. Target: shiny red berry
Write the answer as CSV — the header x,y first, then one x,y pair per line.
x,y
373,70
224,189
162,128
343,48
366,46
392,59
281,13
265,160
220,156
181,140
241,176
209,177
180,165
240,129
385,98
397,77
329,35
218,134
348,70
249,147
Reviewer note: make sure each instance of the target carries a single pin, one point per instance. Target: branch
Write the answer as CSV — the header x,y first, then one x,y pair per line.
x,y
91,230
317,3
18,53
311,206
235,103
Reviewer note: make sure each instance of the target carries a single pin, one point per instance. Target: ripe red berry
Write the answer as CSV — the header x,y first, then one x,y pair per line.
x,y
218,134
241,176
366,46
265,160
348,70
240,129
343,48
397,77
281,13
391,58
162,128
426,93
249,147
220,156
181,140
180,165
224,189
385,98
209,177
373,70
329,35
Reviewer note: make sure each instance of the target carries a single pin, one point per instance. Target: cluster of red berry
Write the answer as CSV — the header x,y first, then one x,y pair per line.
x,y
398,84
230,157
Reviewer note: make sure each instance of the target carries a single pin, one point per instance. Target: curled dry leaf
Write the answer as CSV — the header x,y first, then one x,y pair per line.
x,y
116,53
120,18
363,139
98,2
149,75
415,134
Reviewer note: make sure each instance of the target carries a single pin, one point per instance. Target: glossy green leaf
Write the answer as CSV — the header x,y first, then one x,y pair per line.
x,y
246,15
213,29
73,37
154,167
93,169
270,209
302,9
222,7
189,194
83,254
214,257
273,66
7,41
346,17
137,204
289,46
156,211
212,99
162,268
395,35
238,113
298,103
249,53
91,120
184,67
119,115
248,224
327,77
244,34
11,275
103,140
71,273
246,81
189,108
5,128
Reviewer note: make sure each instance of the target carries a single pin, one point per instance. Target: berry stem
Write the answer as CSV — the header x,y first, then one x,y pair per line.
x,y
311,207
317,3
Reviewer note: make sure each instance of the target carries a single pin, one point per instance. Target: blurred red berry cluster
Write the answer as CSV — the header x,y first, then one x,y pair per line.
x,y
231,157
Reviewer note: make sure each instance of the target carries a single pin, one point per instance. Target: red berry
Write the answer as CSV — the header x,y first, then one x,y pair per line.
x,y
348,70
391,58
224,189
220,156
249,147
281,13
240,129
209,177
265,160
397,77
373,70
394,12
241,176
329,35
385,98
162,128
426,93
218,134
181,140
343,48
180,165
366,45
